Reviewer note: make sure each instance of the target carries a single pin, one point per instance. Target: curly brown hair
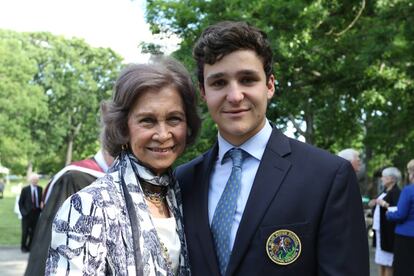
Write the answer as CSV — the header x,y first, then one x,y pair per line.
x,y
225,37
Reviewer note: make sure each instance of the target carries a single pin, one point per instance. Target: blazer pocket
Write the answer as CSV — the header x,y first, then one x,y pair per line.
x,y
287,248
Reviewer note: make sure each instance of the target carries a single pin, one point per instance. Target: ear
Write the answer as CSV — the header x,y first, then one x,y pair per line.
x,y
270,87
202,91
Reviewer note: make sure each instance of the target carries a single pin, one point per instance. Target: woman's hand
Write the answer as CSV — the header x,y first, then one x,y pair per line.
x,y
383,203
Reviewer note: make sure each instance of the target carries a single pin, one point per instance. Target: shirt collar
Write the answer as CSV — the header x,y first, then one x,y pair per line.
x,y
255,146
99,158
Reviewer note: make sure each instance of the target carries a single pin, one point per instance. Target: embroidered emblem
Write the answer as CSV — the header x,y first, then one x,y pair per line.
x,y
283,247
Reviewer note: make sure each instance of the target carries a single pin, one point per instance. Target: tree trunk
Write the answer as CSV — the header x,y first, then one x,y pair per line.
x,y
69,151
309,132
71,138
29,170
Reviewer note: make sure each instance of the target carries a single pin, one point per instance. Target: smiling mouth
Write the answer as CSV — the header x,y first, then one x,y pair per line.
x,y
162,150
236,111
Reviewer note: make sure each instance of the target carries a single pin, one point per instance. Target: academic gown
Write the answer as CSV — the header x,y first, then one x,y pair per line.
x,y
68,184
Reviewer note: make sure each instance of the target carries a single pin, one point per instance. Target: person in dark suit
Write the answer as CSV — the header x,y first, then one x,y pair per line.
x,y
29,205
289,208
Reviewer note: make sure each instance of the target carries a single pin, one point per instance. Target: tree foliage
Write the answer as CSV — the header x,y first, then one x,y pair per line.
x,y
344,69
22,102
52,88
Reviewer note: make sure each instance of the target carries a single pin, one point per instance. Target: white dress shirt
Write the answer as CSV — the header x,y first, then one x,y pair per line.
x,y
255,146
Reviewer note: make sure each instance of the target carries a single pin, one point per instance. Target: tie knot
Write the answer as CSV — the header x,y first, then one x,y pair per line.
x,y
237,155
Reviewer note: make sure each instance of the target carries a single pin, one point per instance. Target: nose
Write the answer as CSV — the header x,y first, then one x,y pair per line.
x,y
235,93
162,133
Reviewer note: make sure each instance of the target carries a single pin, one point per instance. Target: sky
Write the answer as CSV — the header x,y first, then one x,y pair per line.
x,y
117,24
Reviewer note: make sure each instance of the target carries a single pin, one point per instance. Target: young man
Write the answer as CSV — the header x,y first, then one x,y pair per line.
x,y
289,208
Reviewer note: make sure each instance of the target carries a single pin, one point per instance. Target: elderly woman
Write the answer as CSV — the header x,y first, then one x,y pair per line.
x,y
384,229
130,221
404,231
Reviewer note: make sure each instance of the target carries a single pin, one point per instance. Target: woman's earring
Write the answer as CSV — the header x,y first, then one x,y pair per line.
x,y
124,147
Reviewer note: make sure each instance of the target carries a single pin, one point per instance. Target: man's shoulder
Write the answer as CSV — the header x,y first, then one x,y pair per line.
x,y
75,174
315,156
191,164
25,188
185,170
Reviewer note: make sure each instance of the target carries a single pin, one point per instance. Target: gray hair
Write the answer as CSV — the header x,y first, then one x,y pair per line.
x,y
393,172
132,82
348,154
410,166
34,177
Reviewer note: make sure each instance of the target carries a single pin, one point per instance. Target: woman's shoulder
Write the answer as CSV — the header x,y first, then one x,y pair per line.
x,y
409,189
101,193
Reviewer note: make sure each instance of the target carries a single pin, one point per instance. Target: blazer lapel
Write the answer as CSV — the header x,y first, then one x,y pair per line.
x,y
39,195
270,174
200,203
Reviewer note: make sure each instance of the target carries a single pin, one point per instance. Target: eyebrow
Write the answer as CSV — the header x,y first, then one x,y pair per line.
x,y
245,72
146,114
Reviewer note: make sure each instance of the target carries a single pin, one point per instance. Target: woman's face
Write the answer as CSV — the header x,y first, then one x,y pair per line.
x,y
157,128
387,180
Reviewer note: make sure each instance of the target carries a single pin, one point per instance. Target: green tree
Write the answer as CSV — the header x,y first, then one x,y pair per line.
x,y
22,103
50,94
75,78
344,69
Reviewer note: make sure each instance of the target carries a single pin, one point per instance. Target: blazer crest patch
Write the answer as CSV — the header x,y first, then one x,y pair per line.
x,y
283,247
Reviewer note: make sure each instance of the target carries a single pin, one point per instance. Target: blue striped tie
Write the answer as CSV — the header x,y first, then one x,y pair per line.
x,y
225,210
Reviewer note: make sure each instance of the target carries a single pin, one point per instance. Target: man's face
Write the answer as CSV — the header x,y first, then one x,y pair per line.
x,y
236,93
356,163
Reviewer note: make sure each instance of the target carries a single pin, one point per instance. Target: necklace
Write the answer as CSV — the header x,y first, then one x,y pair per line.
x,y
165,254
155,194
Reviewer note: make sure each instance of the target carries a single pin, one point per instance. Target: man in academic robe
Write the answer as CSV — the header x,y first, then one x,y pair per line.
x,y
66,182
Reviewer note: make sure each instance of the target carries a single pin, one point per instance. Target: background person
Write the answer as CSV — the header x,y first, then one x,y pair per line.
x,y
29,206
65,183
384,229
2,185
288,208
130,221
404,231
352,156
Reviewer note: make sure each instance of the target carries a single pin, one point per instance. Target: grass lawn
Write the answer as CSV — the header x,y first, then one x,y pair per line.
x,y
10,224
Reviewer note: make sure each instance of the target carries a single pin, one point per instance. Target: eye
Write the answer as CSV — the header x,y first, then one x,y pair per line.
x,y
218,83
175,120
248,80
146,121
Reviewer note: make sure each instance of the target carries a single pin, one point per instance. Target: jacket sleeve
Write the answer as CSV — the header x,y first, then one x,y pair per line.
x,y
402,208
22,201
342,245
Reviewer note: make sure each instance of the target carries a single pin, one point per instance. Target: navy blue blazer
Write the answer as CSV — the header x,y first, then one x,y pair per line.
x,y
298,187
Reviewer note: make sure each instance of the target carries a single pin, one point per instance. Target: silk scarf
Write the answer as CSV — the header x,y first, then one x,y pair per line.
x,y
147,248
